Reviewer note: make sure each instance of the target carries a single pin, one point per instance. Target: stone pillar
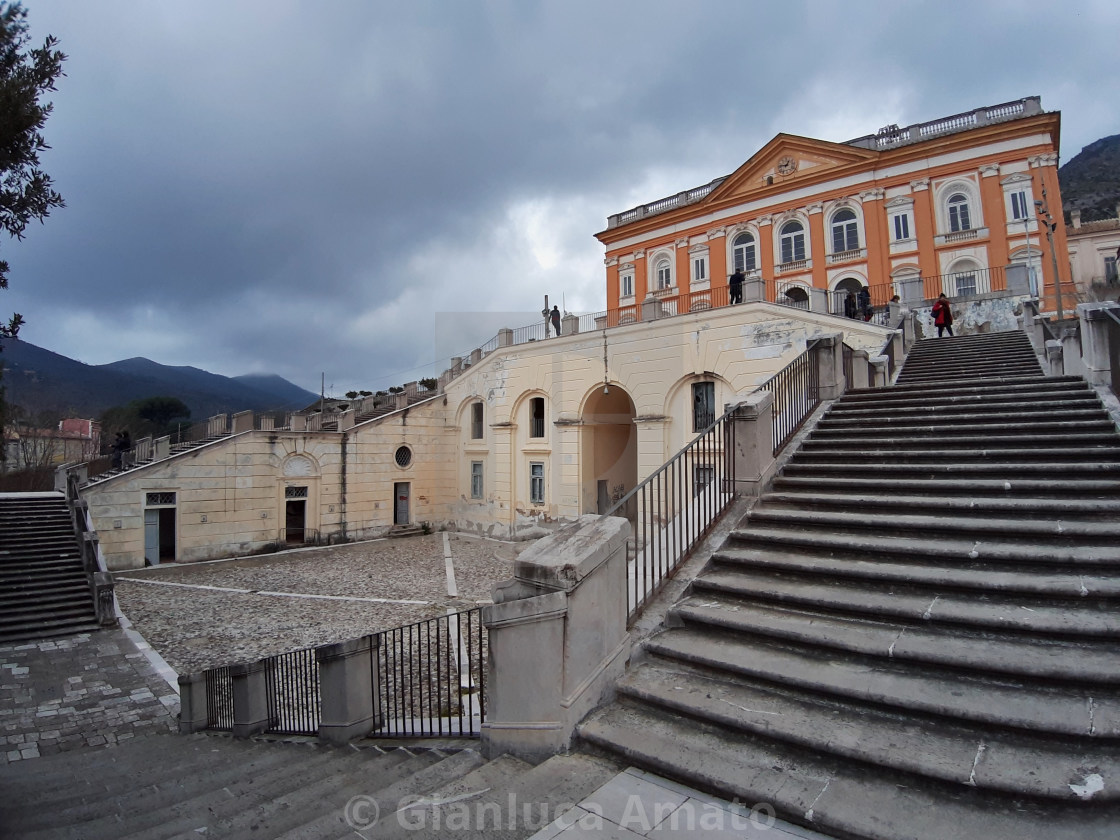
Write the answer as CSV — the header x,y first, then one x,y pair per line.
x,y
651,309
898,346
910,289
894,313
909,336
456,365
243,422
558,637
476,356
299,422
569,324
818,300
880,371
401,400
1072,364
103,600
860,377
193,715
1054,364
1095,327
346,420
830,358
161,448
250,699
753,444
505,337
754,289
347,673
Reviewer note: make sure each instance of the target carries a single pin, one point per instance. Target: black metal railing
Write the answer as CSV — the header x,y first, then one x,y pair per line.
x,y
430,677
796,390
292,689
219,698
672,510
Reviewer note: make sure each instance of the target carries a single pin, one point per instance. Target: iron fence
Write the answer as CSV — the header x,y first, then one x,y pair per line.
x,y
796,390
219,699
430,677
672,510
292,689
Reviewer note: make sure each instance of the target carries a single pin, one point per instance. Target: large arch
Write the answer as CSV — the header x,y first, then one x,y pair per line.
x,y
608,448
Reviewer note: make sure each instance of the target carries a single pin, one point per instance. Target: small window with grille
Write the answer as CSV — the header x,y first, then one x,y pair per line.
x,y
295,492
403,456
159,499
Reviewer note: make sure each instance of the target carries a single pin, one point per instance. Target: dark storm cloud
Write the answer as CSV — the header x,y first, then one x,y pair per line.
x,y
299,187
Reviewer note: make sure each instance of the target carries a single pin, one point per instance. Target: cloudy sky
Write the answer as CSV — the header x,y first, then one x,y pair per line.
x,y
361,189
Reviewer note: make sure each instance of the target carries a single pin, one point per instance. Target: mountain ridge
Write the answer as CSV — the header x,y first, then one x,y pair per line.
x,y
42,381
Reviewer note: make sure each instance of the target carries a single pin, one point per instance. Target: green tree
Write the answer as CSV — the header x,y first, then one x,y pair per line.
x,y
26,192
149,416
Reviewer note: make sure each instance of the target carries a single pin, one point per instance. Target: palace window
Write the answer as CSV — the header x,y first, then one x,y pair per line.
x,y
901,226
702,476
626,285
664,273
845,233
703,405
536,417
476,421
699,268
960,217
536,482
1110,269
1020,210
743,252
793,242
476,479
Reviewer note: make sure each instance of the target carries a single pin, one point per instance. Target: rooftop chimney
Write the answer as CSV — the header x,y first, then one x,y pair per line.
x,y
1075,218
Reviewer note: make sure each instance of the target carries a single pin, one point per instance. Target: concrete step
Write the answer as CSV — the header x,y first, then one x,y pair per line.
x,y
1010,472
997,701
938,410
952,553
986,489
1015,763
978,525
840,440
842,799
1026,384
1042,614
956,453
983,579
1023,423
1087,659
894,500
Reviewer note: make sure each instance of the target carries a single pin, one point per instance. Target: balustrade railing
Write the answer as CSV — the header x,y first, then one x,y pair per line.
x,y
961,284
292,689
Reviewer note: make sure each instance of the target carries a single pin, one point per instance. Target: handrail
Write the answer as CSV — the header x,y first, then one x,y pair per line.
x,y
674,508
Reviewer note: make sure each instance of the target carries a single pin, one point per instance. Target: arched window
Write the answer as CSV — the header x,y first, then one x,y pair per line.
x,y
963,280
536,417
743,253
845,232
793,242
959,216
664,273
476,421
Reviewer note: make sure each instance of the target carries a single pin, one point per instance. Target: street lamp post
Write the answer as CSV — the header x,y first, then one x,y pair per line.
x,y
1050,225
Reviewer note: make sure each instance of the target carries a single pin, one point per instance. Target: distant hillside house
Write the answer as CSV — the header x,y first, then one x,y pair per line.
x,y
74,440
531,431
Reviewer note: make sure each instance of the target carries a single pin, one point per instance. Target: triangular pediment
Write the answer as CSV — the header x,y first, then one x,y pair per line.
x,y
786,160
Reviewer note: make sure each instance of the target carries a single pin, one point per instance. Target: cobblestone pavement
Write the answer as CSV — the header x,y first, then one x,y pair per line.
x,y
206,614
89,690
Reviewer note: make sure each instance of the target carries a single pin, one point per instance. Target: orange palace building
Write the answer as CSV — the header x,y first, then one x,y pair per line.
x,y
947,205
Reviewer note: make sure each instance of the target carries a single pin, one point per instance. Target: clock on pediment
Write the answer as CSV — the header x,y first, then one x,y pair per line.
x,y
787,165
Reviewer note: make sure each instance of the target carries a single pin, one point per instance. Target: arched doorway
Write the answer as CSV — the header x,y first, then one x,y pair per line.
x,y
840,293
608,449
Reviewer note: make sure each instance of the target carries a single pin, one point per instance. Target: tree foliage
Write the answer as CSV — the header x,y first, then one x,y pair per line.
x,y
154,416
26,192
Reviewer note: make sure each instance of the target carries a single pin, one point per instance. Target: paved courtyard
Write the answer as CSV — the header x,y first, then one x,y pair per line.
x,y
207,614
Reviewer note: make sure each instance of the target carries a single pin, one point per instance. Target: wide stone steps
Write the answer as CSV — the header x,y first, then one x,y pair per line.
x,y
925,609
970,755
44,589
810,787
169,786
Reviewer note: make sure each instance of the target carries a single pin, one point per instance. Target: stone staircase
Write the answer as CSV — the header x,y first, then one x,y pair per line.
x,y
44,589
914,634
168,786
